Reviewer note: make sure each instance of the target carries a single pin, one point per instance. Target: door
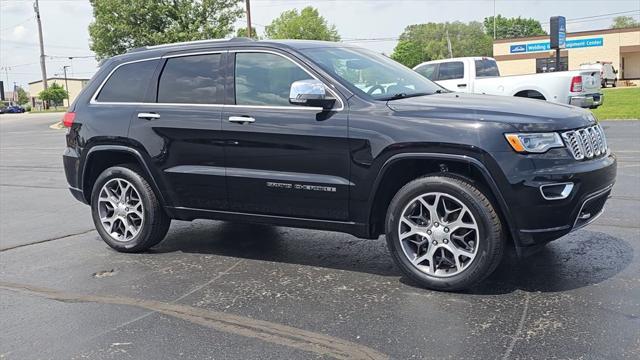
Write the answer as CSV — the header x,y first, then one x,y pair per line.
x,y
282,159
451,76
180,129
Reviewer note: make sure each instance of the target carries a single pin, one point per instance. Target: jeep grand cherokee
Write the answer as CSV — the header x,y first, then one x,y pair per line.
x,y
328,136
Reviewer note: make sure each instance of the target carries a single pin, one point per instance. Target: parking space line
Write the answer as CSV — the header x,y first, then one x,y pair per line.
x,y
35,186
518,333
45,240
198,288
274,333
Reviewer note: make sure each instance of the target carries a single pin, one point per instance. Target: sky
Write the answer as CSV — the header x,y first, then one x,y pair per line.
x,y
65,24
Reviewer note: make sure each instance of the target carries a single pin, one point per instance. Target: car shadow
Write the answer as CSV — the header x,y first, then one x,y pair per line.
x,y
577,260
280,244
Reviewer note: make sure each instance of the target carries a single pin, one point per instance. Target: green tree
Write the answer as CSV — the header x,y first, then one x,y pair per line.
x,y
54,95
408,52
620,22
23,98
425,42
306,24
242,32
516,27
119,25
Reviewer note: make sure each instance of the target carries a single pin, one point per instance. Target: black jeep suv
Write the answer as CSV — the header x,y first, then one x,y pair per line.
x,y
327,136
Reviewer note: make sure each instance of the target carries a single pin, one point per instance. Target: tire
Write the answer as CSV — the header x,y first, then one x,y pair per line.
x,y
615,83
137,221
484,246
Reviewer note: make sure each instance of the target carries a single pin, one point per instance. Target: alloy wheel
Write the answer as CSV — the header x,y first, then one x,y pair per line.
x,y
120,209
439,235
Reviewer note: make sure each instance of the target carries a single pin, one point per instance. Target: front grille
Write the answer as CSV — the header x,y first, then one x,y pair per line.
x,y
586,143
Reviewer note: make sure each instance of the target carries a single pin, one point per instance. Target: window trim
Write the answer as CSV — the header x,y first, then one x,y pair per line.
x,y
164,64
334,93
94,101
102,84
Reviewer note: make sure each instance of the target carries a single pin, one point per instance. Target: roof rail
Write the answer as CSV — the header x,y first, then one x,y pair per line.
x,y
205,41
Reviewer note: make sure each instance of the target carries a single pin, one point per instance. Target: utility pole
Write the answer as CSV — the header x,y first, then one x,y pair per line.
x,y
248,18
494,19
43,66
6,74
449,45
66,85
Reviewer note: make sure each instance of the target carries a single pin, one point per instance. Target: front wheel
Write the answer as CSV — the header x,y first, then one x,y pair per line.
x,y
444,233
126,211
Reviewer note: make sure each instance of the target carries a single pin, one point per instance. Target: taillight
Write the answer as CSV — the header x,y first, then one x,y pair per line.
x,y
576,84
68,118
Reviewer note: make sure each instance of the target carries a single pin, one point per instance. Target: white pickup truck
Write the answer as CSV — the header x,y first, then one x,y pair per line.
x,y
480,75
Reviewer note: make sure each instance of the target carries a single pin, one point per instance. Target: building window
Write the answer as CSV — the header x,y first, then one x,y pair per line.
x,y
549,64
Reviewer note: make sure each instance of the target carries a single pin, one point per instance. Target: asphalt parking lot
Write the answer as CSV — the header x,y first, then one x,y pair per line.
x,y
216,290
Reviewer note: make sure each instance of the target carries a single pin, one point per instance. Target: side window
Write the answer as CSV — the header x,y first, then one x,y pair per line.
x,y
191,79
265,79
451,70
428,71
128,83
486,68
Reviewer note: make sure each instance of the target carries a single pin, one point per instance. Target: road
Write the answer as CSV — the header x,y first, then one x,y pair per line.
x,y
216,290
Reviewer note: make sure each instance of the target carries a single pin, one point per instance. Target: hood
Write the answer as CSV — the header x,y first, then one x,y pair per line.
x,y
523,114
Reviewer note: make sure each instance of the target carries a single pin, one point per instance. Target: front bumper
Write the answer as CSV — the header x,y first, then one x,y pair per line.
x,y
536,219
591,101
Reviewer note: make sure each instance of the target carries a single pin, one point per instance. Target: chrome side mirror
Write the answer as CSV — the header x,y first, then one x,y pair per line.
x,y
310,92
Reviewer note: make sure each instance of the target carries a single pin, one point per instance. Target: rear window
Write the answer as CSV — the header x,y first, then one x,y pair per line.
x,y
451,70
128,83
486,68
191,80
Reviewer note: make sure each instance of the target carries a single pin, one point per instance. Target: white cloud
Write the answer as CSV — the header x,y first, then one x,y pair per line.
x,y
19,32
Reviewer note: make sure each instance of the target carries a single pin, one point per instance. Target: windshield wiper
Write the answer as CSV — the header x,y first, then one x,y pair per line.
x,y
405,95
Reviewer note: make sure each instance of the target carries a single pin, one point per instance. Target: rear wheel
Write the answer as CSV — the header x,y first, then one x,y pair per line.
x,y
615,83
126,211
444,233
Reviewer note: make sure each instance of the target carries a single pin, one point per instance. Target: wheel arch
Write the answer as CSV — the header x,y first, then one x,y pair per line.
x,y
530,94
466,167
101,157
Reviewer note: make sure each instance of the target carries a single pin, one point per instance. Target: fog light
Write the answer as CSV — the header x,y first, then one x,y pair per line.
x,y
557,191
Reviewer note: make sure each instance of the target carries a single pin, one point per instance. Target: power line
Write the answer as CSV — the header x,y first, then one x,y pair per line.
x,y
18,24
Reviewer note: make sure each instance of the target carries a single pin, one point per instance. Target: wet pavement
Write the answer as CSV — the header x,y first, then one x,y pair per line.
x,y
226,290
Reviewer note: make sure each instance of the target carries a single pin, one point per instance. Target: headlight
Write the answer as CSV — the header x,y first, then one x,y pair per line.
x,y
534,142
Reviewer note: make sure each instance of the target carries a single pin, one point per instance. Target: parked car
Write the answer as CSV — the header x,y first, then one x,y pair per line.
x,y
480,75
608,74
15,109
3,109
327,136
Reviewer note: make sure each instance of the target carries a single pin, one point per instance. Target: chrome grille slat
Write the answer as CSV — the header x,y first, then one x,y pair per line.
x,y
586,143
594,141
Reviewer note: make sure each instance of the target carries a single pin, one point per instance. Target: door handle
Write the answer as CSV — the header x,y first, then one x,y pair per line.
x,y
462,85
148,116
241,119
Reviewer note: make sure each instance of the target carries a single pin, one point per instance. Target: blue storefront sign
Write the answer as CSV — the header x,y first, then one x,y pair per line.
x,y
518,49
545,46
562,34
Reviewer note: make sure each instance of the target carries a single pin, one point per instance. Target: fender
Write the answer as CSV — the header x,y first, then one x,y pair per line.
x,y
493,187
122,148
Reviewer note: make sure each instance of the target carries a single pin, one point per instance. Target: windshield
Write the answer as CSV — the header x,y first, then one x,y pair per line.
x,y
370,74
